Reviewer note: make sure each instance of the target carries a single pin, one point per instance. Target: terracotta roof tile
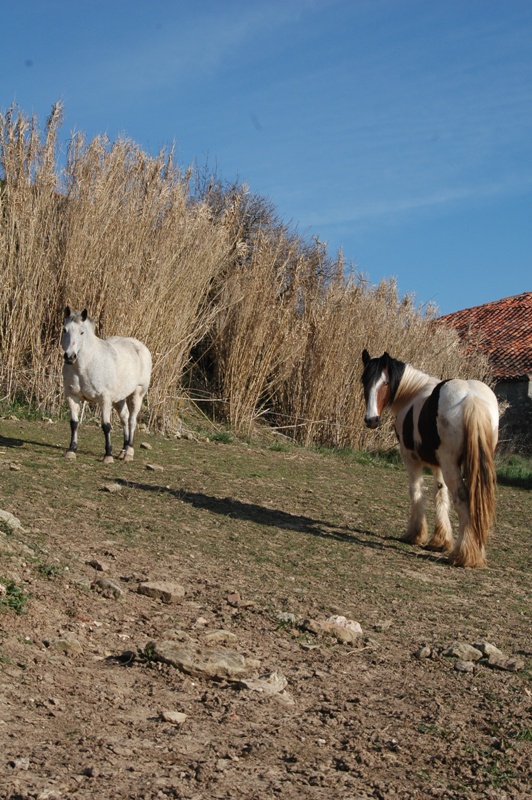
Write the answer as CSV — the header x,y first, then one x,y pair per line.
x,y
503,331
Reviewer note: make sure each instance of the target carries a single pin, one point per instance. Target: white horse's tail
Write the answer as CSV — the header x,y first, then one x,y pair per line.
x,y
479,469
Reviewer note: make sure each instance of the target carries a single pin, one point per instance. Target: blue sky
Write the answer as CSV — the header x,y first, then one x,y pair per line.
x,y
397,130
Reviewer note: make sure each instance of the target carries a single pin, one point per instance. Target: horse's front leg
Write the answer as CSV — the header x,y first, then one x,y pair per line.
x,y
123,413
73,406
442,538
106,428
416,530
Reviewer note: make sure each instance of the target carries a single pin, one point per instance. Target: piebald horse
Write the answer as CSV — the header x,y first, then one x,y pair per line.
x,y
113,372
451,427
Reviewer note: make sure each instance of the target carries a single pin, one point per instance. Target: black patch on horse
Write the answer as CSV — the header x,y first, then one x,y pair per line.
x,y
427,428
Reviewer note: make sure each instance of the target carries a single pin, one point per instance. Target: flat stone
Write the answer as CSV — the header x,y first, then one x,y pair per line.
x,y
218,663
108,587
506,663
487,649
464,666
174,717
10,520
166,591
465,652
64,645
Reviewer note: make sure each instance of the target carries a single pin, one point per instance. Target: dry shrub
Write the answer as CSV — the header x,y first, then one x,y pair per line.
x,y
122,234
120,239
254,335
324,394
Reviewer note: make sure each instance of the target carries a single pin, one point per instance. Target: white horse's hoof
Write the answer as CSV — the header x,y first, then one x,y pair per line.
x,y
70,454
108,460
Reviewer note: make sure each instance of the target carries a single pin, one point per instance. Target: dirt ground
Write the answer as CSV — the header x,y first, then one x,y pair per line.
x,y
268,544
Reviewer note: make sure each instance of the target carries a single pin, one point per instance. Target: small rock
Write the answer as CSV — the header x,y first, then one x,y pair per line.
x,y
146,446
217,637
424,652
155,467
487,649
504,662
20,763
65,644
465,652
108,587
11,521
14,467
99,566
175,717
112,487
165,591
286,617
464,666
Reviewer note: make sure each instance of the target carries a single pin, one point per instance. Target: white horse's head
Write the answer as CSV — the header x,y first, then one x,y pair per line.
x,y
75,326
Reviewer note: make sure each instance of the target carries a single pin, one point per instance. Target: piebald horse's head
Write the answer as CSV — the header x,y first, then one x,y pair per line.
x,y
74,328
380,379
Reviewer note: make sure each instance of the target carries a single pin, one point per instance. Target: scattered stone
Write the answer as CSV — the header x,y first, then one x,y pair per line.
x,y
66,644
487,649
464,666
11,521
175,717
108,587
146,446
272,685
424,652
506,663
20,763
234,599
14,467
340,628
112,487
165,591
465,652
218,663
155,467
286,617
383,625
99,566
217,637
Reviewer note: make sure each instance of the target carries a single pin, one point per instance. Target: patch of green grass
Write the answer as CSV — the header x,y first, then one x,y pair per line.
x,y
14,598
223,437
49,570
515,471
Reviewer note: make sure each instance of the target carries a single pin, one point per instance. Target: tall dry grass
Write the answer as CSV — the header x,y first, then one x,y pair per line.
x,y
209,274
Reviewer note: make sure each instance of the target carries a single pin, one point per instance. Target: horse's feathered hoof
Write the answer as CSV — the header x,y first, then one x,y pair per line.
x,y
128,457
70,454
108,460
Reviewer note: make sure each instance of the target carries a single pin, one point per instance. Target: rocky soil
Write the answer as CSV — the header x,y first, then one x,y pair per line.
x,y
236,621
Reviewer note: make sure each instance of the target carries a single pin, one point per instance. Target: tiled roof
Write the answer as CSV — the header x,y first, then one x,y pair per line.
x,y
503,331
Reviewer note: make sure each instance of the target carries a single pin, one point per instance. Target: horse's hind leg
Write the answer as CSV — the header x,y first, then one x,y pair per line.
x,y
73,406
123,413
416,531
466,552
442,538
134,403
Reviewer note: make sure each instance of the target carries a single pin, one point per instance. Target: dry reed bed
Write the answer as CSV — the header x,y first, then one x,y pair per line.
x,y
209,279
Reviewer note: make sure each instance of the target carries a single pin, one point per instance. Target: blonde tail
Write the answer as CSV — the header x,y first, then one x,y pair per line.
x,y
479,472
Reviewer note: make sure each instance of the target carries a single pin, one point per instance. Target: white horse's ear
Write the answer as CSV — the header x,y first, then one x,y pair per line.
x,y
84,314
365,357
67,311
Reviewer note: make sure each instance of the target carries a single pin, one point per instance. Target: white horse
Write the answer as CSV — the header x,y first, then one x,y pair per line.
x,y
452,427
113,372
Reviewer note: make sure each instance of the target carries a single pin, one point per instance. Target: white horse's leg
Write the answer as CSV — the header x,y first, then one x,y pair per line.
x,y
123,413
106,428
134,403
416,530
73,406
442,538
